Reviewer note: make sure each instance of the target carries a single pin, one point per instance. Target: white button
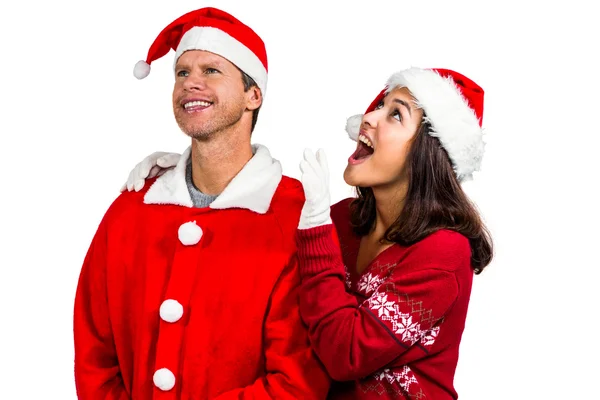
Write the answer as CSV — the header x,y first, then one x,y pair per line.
x,y
171,310
189,233
164,379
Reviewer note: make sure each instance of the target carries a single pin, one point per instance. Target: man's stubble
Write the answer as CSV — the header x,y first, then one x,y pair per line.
x,y
225,116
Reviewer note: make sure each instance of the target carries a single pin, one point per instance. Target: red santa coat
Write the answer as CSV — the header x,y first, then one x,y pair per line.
x,y
177,302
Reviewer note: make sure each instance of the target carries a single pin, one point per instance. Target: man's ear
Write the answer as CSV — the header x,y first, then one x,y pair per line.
x,y
253,98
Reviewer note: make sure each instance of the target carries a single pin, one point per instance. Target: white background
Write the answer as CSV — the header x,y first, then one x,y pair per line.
x,y
74,121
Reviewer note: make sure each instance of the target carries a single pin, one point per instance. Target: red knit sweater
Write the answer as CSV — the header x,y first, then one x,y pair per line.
x,y
394,330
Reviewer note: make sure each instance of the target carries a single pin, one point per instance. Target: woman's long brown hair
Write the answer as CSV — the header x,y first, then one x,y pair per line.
x,y
435,200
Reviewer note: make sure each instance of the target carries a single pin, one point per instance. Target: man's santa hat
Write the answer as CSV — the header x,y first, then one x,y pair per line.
x,y
212,30
452,104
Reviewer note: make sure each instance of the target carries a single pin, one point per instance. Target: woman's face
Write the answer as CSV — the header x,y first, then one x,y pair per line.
x,y
384,141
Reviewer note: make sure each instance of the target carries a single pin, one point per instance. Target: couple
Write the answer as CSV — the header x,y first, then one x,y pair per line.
x,y
220,278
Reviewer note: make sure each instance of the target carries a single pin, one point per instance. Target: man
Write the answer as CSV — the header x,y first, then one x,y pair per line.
x,y
189,289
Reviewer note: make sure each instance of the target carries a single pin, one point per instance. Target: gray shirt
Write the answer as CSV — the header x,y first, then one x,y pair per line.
x,y
198,198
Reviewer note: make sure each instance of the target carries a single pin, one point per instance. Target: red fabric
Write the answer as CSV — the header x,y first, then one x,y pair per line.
x,y
394,330
171,35
240,336
471,91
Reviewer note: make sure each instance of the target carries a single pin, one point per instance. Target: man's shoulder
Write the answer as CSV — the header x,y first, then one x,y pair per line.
x,y
288,196
290,192
127,204
286,205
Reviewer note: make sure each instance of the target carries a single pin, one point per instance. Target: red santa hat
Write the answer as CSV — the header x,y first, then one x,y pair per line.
x,y
213,30
453,105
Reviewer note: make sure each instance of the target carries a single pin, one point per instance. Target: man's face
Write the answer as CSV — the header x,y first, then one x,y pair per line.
x,y
208,96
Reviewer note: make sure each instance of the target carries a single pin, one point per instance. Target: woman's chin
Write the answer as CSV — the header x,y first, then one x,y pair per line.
x,y
352,176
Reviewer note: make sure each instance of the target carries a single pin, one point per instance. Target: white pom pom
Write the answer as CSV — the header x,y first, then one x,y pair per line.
x,y
164,379
171,310
353,126
141,69
189,233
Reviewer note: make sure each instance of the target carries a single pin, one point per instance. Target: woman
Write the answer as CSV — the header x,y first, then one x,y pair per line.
x,y
386,276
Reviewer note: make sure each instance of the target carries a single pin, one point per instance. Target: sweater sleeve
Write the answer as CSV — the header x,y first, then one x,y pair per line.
x,y
355,340
293,370
97,373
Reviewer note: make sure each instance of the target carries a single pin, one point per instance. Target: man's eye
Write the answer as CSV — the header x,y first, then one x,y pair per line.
x,y
211,71
182,73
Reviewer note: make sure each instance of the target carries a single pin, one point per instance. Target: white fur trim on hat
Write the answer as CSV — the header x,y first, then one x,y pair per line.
x,y
141,69
218,42
451,118
353,126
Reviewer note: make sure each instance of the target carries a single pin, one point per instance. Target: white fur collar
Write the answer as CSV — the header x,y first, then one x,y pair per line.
x,y
252,188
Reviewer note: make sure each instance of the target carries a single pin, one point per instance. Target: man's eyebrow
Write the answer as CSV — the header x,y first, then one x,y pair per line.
x,y
179,65
204,65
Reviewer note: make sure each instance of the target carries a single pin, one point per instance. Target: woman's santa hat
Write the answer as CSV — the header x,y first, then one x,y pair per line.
x,y
216,31
452,104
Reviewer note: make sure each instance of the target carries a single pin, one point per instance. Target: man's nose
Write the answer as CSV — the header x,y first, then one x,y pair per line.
x,y
195,81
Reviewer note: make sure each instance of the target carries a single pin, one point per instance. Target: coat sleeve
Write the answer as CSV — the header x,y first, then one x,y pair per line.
x,y
97,374
354,339
292,369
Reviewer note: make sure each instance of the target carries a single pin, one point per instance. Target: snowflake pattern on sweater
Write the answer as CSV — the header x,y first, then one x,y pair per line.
x,y
402,324
348,278
396,310
399,382
369,283
388,304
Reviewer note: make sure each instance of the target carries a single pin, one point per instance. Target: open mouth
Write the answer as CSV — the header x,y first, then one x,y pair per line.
x,y
364,149
196,105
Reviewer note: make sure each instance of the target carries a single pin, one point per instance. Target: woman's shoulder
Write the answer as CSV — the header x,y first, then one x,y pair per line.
x,y
342,205
341,209
446,239
340,213
444,249
342,221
